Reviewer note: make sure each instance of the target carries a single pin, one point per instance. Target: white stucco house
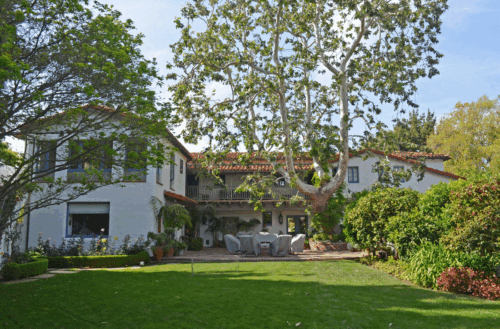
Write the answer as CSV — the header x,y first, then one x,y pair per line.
x,y
292,218
120,210
125,210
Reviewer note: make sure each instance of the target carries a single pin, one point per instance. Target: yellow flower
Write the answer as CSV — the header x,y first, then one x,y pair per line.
x,y
116,238
103,249
104,240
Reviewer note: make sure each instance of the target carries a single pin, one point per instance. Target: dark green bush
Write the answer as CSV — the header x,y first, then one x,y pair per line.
x,y
408,231
366,222
98,261
427,263
475,218
14,271
195,244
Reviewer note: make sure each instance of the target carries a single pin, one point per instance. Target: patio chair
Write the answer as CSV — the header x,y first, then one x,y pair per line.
x,y
298,243
232,244
281,246
249,245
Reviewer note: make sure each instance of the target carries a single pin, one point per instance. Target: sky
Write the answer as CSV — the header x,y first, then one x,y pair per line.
x,y
469,41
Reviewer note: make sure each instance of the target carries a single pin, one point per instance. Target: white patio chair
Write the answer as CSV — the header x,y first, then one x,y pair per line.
x,y
298,243
281,246
232,244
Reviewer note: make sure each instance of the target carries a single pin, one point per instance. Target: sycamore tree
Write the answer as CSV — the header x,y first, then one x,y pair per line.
x,y
289,78
471,136
55,57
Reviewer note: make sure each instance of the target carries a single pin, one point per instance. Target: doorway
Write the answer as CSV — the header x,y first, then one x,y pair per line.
x,y
296,224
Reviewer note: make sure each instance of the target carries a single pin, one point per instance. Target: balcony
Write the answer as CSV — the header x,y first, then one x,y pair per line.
x,y
228,193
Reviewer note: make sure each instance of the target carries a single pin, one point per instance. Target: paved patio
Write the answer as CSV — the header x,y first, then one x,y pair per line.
x,y
222,255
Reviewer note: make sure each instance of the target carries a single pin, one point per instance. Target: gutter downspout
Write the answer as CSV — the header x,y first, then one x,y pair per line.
x,y
29,200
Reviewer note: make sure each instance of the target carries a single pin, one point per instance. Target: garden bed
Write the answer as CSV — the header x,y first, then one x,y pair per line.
x,y
14,271
98,261
327,245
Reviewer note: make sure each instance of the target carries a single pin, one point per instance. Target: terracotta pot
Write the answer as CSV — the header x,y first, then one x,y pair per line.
x,y
171,252
158,254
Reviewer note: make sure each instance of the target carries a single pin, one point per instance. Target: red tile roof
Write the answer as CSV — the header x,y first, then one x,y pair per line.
x,y
179,197
417,155
262,165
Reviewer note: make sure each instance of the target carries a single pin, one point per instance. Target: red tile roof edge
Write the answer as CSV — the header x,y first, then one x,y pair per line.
x,y
245,169
436,171
179,197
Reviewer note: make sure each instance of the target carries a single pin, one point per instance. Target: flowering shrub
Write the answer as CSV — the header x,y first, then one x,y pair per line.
x,y
98,246
488,288
465,280
458,280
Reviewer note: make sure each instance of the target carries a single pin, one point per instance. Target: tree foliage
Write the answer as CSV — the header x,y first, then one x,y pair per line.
x,y
408,134
56,56
471,137
288,78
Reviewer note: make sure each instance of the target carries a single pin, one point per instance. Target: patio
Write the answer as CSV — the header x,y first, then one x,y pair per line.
x,y
222,255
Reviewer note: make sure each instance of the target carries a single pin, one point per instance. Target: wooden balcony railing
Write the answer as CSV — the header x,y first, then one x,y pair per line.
x,y
217,193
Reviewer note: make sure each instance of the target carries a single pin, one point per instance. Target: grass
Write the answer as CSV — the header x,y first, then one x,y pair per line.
x,y
341,294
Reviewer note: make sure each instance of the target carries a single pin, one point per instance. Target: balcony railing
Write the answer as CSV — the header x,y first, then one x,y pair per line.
x,y
216,193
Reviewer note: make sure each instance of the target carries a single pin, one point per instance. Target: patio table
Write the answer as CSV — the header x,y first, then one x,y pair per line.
x,y
249,245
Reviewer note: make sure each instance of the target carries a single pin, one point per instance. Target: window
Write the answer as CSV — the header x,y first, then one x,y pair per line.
x,y
88,218
136,160
47,159
158,174
353,174
223,179
267,219
280,180
399,168
87,154
192,180
181,166
335,170
172,171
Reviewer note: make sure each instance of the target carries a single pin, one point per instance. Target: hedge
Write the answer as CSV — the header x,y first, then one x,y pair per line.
x,y
98,261
14,271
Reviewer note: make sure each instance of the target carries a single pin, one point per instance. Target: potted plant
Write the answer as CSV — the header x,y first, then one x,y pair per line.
x,y
159,240
180,247
168,249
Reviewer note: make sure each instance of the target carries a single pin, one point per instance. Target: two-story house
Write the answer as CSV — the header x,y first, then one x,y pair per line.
x,y
125,209
284,217
121,209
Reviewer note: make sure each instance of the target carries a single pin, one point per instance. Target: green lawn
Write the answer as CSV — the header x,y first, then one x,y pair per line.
x,y
340,294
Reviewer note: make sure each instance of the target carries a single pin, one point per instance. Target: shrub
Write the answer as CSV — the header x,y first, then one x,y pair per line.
x,y
458,280
475,221
468,281
14,271
195,244
427,263
323,237
98,261
488,288
366,223
407,231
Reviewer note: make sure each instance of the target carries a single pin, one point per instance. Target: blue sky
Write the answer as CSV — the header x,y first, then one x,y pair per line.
x,y
470,42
